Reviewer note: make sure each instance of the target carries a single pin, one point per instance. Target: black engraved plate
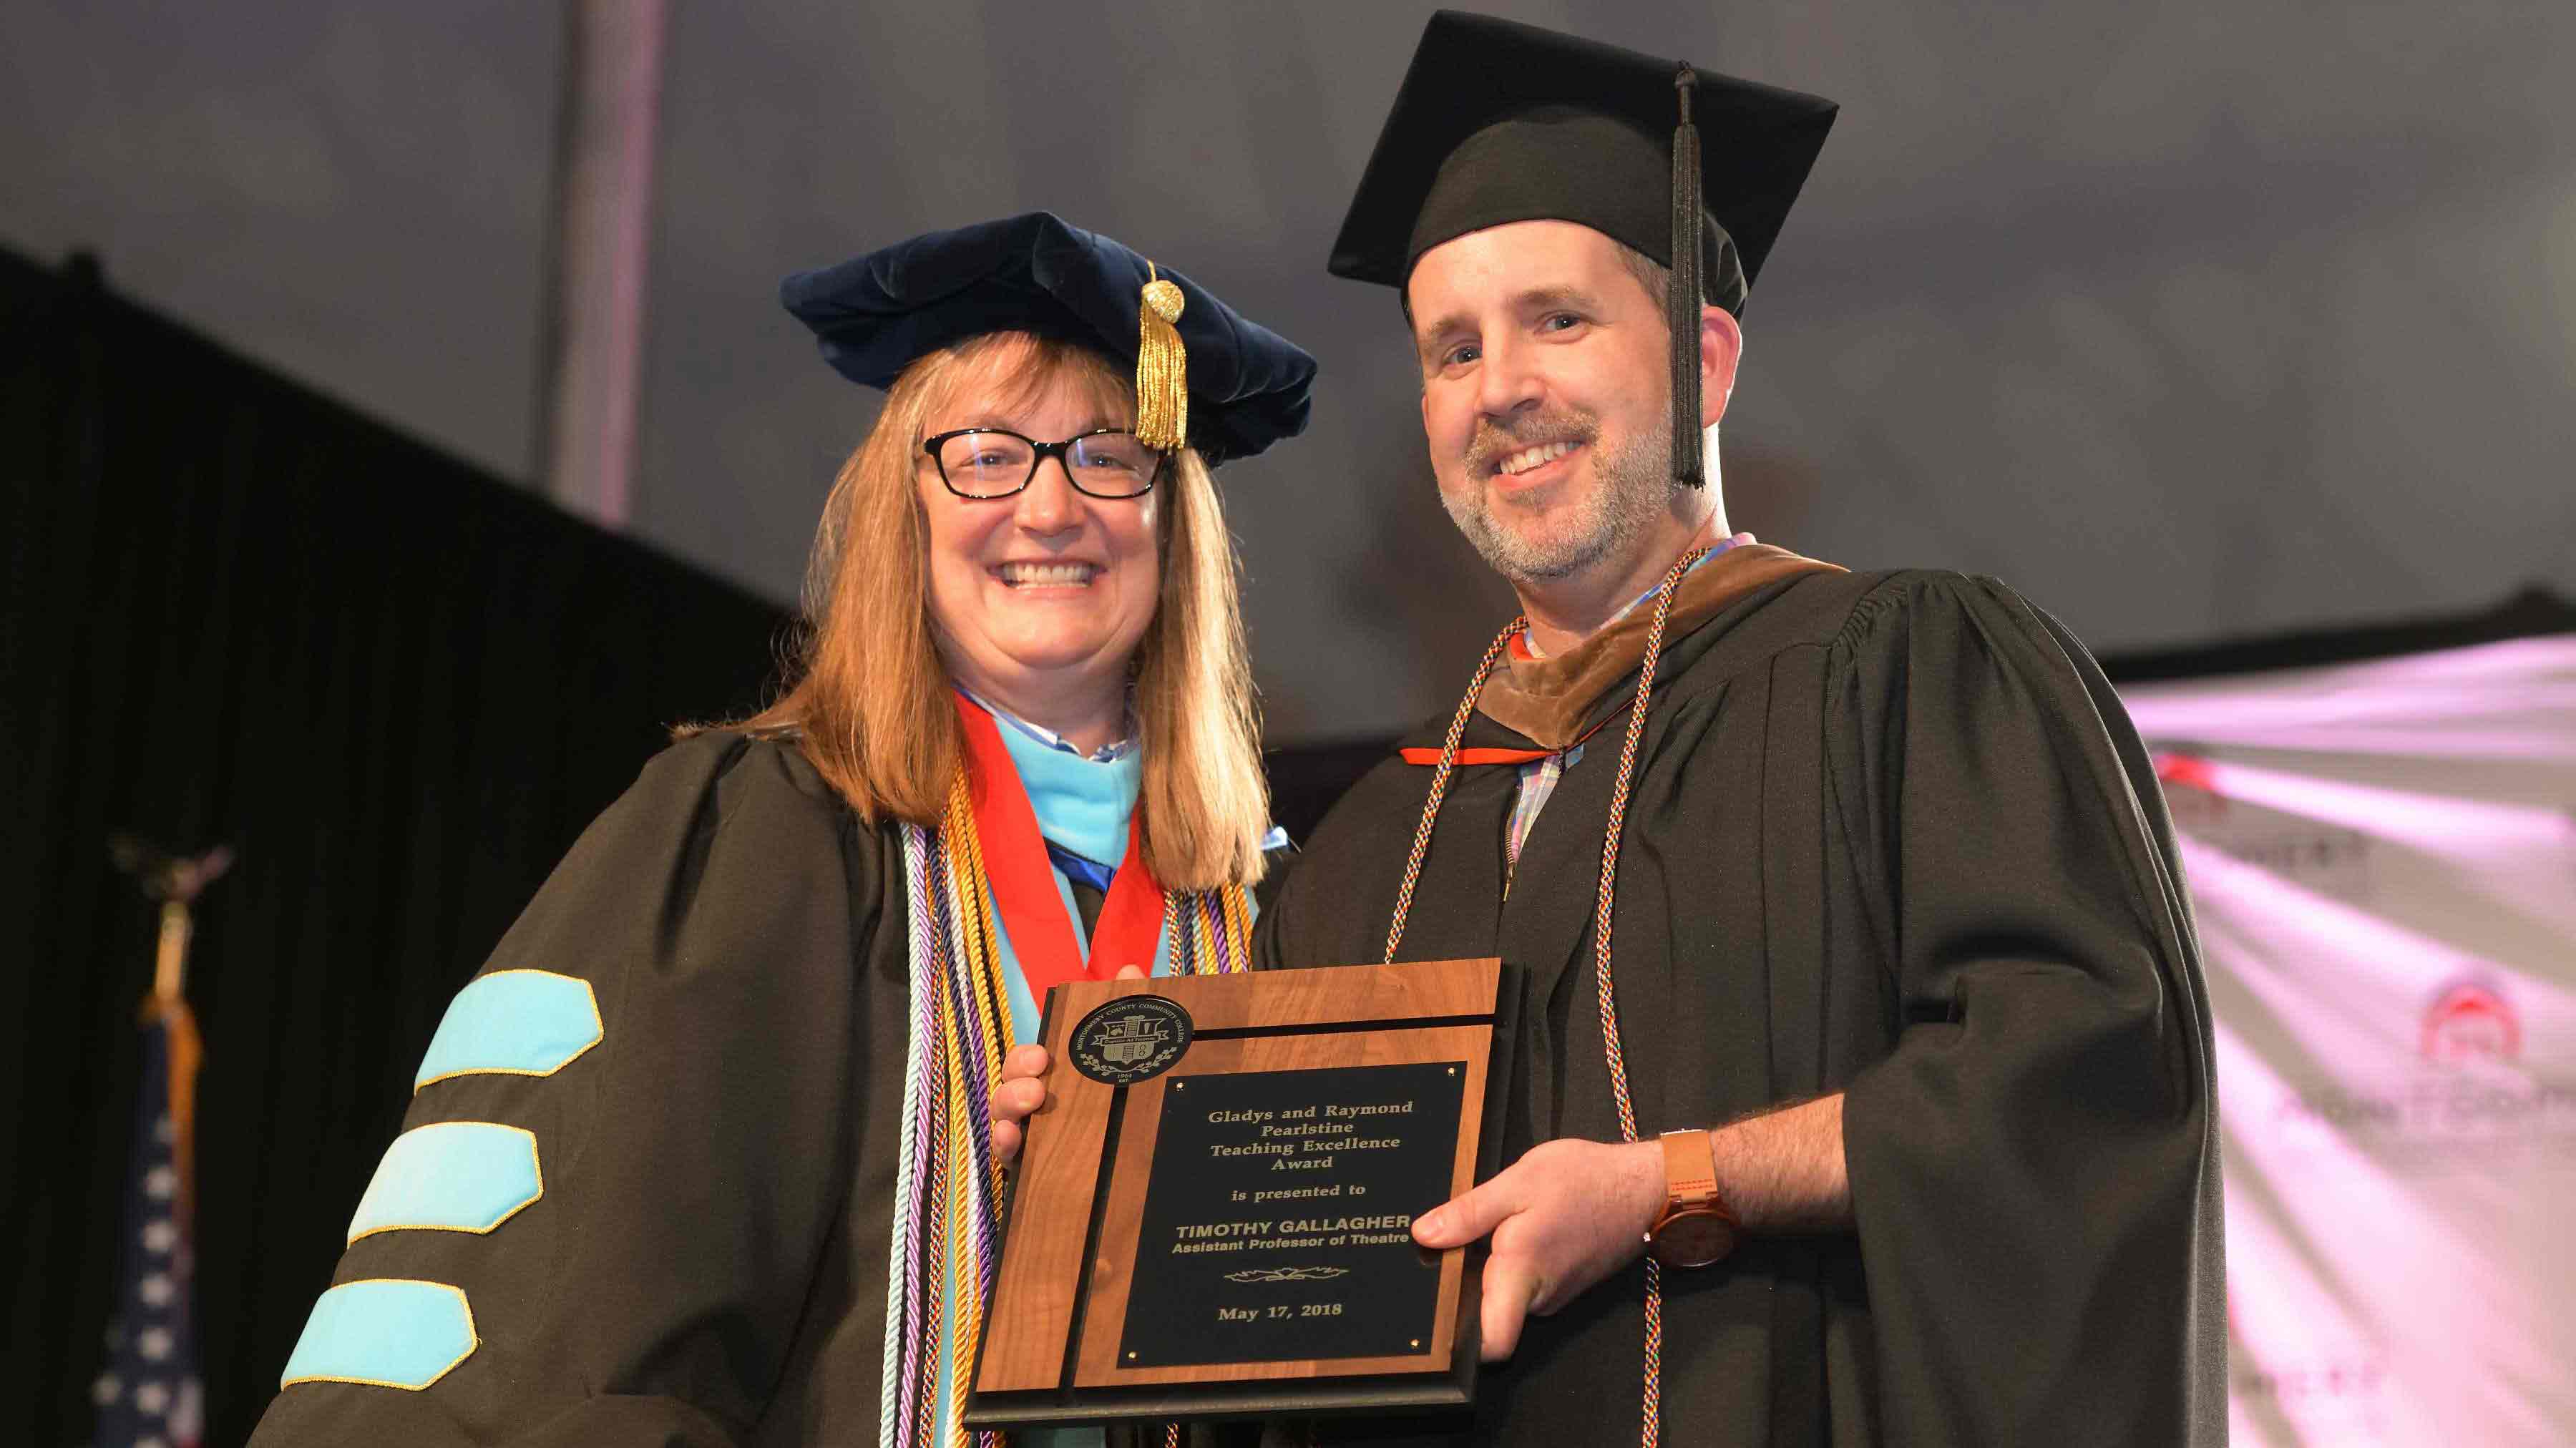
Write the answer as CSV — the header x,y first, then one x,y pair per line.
x,y
1279,1212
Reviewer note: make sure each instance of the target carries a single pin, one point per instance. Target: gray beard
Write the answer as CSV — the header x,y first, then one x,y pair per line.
x,y
1636,485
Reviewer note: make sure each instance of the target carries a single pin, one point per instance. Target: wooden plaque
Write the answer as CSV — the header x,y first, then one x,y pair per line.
x,y
1212,1214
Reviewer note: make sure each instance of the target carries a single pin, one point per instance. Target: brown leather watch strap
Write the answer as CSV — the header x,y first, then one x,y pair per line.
x,y
1690,1173
1697,1226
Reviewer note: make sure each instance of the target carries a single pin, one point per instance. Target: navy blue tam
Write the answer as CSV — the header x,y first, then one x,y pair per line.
x,y
1248,387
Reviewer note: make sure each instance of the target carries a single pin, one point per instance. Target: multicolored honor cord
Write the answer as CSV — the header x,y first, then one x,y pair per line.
x,y
1651,1413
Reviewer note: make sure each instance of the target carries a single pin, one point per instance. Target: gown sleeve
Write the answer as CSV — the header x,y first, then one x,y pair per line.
x,y
2034,1168
627,1149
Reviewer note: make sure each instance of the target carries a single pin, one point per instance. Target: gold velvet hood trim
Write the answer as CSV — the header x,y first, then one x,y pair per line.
x,y
1548,699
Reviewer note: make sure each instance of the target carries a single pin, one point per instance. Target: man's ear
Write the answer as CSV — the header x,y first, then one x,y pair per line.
x,y
1721,345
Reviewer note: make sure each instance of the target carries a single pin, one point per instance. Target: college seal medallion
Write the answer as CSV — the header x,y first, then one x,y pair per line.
x,y
1130,1039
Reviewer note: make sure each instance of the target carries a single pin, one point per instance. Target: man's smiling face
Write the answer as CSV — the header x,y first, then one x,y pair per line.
x,y
1544,395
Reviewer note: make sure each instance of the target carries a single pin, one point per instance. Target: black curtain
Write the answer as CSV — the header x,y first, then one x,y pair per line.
x,y
237,612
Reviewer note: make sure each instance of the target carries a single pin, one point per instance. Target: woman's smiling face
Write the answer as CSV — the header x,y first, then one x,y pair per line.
x,y
1040,598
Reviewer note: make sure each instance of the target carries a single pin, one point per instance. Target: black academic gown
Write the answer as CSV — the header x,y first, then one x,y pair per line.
x,y
707,1265
1892,836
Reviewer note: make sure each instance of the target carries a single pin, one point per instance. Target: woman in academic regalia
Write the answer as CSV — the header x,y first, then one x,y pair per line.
x,y
707,1152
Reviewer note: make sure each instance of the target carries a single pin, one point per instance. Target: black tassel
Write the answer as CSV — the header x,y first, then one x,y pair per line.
x,y
1681,309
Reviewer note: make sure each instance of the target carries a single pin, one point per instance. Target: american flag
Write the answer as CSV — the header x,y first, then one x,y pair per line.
x,y
147,1391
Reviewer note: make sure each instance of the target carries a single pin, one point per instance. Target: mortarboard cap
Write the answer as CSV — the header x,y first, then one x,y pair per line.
x,y
1498,122
1244,386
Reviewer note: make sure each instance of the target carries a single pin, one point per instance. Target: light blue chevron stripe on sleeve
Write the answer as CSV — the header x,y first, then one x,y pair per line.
x,y
513,1023
451,1176
384,1332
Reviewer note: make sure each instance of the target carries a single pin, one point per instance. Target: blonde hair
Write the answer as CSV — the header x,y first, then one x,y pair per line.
x,y
871,705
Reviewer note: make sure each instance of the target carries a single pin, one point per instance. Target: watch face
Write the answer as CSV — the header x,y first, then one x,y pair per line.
x,y
1693,1239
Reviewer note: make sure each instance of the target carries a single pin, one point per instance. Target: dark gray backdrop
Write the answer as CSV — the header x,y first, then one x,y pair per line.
x,y
2190,317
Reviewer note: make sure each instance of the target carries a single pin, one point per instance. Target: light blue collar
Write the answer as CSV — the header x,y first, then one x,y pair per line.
x,y
1082,804
1048,737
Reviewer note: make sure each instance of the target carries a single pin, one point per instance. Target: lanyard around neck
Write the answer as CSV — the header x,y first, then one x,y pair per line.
x,y
1015,861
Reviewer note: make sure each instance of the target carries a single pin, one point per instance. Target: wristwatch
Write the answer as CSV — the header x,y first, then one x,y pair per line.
x,y
1697,1227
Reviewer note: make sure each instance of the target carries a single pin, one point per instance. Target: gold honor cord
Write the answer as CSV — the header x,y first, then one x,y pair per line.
x,y
1651,1409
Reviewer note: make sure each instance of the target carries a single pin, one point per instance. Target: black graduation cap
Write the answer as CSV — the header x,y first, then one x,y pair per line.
x,y
1499,122
1228,385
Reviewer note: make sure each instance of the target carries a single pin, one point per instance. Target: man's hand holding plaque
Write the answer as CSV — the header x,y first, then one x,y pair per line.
x,y
1566,1215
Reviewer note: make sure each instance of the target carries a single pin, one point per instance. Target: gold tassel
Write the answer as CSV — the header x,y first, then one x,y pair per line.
x,y
1162,367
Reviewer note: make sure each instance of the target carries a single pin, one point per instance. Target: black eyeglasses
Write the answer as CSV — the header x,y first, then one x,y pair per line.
x,y
993,462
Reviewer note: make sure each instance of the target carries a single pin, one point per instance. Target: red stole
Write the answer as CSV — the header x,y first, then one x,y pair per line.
x,y
1024,888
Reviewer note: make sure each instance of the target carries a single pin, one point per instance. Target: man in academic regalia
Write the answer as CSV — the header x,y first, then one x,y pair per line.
x,y
1860,1091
